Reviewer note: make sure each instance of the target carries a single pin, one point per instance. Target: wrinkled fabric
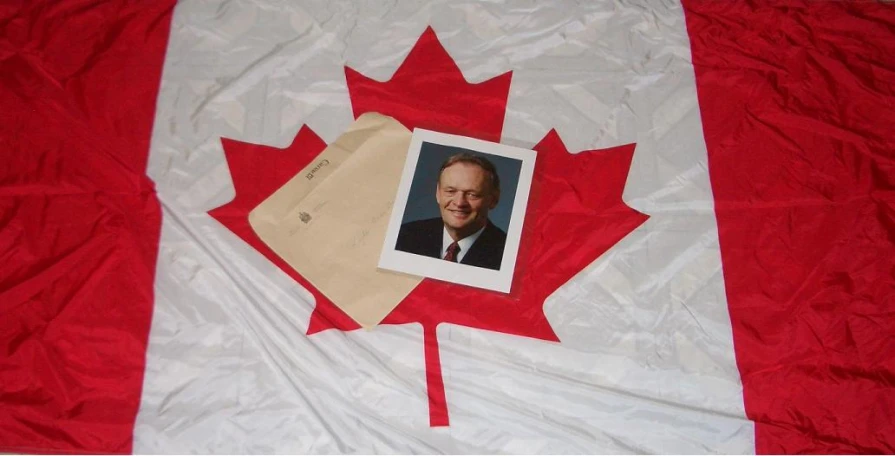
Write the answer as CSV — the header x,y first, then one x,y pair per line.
x,y
619,324
797,110
79,220
710,257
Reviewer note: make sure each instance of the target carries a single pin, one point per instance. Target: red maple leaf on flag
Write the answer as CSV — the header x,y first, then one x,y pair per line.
x,y
575,210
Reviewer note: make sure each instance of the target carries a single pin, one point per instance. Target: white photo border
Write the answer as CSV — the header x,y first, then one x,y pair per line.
x,y
498,280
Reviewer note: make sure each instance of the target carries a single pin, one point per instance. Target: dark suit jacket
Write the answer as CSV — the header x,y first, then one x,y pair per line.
x,y
423,237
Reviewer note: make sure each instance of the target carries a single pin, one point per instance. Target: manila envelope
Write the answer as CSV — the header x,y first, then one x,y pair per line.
x,y
329,221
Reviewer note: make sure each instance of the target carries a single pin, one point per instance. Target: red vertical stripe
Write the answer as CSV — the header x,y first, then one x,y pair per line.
x,y
798,107
79,220
438,410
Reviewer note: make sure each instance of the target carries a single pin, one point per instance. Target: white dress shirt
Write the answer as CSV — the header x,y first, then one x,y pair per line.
x,y
465,243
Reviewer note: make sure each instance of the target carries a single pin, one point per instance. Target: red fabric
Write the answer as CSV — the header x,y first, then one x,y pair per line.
x,y
593,214
429,91
798,105
436,95
80,221
257,172
584,189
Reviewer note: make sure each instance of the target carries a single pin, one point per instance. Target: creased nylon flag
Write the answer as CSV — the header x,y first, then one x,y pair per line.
x,y
711,257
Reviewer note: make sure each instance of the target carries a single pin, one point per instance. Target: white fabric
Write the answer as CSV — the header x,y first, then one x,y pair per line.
x,y
645,362
465,243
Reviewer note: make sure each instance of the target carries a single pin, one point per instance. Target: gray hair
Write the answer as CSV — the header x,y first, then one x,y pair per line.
x,y
481,162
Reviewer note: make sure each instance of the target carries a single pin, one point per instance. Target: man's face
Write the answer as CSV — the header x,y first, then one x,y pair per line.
x,y
465,196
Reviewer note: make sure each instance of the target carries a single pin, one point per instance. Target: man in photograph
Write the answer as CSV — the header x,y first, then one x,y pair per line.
x,y
468,187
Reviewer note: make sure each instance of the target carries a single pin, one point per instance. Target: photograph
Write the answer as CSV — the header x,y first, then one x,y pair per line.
x,y
459,210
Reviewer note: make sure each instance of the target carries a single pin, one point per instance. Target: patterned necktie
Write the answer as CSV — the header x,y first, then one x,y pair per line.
x,y
452,252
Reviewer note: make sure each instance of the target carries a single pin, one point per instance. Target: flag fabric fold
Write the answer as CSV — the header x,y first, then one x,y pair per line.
x,y
707,261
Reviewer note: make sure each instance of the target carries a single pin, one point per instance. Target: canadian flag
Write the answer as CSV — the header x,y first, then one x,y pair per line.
x,y
707,265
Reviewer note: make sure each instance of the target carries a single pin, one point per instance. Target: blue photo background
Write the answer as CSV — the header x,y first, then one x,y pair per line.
x,y
421,202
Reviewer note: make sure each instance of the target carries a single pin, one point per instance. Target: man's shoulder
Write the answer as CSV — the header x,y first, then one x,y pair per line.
x,y
491,241
426,225
494,233
422,237
487,251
